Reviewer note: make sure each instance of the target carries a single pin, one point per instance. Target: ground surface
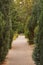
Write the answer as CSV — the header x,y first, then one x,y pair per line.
x,y
21,53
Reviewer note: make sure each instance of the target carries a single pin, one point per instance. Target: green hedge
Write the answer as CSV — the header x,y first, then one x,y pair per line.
x,y
4,37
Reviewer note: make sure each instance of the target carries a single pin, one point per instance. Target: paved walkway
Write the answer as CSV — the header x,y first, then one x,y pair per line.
x,y
21,53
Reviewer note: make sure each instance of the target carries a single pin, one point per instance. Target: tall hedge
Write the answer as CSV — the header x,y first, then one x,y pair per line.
x,y
4,37
5,28
41,38
38,52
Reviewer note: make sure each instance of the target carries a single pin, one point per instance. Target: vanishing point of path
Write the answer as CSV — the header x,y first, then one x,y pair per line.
x,y
21,52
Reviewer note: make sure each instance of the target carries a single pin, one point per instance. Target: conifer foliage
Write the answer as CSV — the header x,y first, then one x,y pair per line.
x,y
21,17
5,28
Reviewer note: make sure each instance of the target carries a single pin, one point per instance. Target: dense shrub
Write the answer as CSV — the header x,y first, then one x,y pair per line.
x,y
4,37
5,28
36,53
41,37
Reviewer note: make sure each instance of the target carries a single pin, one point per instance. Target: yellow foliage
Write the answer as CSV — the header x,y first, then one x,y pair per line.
x,y
15,36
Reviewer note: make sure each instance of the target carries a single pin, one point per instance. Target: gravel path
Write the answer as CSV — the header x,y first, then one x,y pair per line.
x,y
21,53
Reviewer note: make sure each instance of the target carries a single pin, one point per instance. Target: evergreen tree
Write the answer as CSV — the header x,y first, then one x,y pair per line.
x,y
41,37
38,52
33,20
5,27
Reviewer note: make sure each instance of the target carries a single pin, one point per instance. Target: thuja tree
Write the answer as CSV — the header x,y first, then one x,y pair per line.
x,y
38,53
33,21
11,8
5,28
41,38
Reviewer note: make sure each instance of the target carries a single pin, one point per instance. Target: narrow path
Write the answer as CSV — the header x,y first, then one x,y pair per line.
x,y
21,53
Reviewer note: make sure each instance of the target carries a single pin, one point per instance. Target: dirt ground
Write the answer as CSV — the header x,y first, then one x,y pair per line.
x,y
21,53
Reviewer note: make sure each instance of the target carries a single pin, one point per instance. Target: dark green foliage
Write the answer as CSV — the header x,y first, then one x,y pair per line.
x,y
32,23
20,28
21,18
41,37
4,38
38,52
36,55
10,31
5,28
